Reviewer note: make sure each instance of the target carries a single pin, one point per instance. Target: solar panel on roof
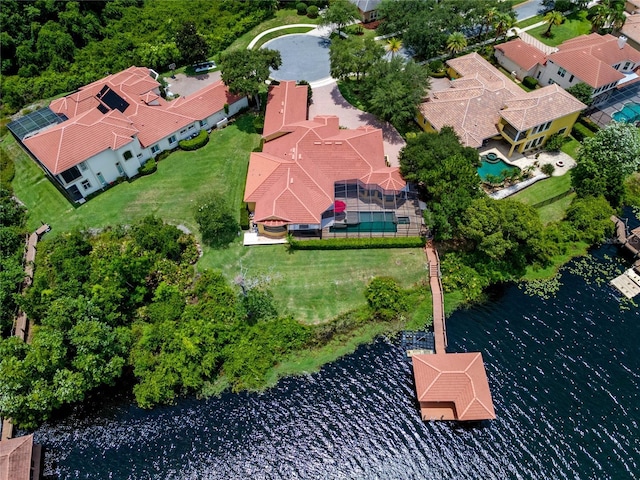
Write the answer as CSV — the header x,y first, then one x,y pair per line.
x,y
103,108
112,99
35,121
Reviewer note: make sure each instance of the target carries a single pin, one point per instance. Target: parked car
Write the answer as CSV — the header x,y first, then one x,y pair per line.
x,y
204,67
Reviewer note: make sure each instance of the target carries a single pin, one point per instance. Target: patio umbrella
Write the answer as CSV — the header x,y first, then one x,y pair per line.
x,y
339,206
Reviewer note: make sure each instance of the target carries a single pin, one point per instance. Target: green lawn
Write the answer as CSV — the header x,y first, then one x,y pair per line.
x,y
283,17
571,147
529,21
575,25
280,33
169,193
317,286
545,189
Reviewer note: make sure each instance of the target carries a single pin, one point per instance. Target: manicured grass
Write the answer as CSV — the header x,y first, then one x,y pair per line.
x,y
544,189
280,33
555,211
366,33
530,21
571,147
317,286
283,17
169,193
575,25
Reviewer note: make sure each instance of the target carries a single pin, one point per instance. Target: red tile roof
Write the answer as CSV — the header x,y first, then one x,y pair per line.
x,y
453,378
540,106
522,54
15,458
591,58
148,116
631,27
292,179
292,100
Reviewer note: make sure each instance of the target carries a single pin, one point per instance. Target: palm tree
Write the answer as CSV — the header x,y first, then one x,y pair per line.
x,y
552,18
617,19
456,42
488,20
598,16
502,22
394,45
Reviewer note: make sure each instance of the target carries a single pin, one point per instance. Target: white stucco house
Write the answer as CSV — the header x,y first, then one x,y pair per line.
x,y
111,127
603,62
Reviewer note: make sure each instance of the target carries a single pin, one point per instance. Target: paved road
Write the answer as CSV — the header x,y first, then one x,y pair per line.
x,y
528,9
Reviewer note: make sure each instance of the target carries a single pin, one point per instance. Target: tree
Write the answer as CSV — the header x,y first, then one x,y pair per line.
x,y
192,46
552,18
447,175
502,22
340,13
354,55
218,226
395,89
394,45
385,298
590,217
456,42
598,16
605,160
246,71
582,92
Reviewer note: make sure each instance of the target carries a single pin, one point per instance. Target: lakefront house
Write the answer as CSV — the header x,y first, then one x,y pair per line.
x,y
108,129
481,103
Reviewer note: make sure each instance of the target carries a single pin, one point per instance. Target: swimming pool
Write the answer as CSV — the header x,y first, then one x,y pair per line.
x,y
369,222
495,167
630,113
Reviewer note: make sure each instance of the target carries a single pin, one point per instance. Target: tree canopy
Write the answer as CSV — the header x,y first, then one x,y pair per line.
x,y
192,46
217,224
246,71
605,160
582,92
446,173
340,13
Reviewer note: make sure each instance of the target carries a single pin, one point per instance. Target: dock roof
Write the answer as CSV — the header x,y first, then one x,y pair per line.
x,y
453,386
15,458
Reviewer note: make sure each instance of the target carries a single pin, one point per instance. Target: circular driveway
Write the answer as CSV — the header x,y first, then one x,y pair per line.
x,y
304,57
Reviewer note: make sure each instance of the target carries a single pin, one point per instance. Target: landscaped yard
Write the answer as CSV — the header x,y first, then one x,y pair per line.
x,y
575,25
280,33
283,17
544,190
314,286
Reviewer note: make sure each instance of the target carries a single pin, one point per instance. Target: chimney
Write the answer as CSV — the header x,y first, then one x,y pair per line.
x,y
622,41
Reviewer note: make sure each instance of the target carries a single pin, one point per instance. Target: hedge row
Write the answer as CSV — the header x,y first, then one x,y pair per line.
x,y
244,216
590,124
149,167
580,132
195,143
356,243
530,82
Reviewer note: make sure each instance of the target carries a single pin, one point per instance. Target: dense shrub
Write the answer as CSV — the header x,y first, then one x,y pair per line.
x,y
195,143
244,216
301,8
218,226
7,169
258,123
529,82
385,298
149,167
590,217
554,143
356,243
548,169
590,124
312,11
580,132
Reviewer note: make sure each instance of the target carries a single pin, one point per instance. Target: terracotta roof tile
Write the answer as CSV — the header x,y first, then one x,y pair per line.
x,y
457,378
15,458
148,116
292,102
540,106
631,27
522,54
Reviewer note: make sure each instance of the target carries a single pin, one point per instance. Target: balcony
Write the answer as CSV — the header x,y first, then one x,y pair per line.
x,y
512,133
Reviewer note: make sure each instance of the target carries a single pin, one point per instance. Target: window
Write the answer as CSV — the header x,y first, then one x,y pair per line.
x,y
551,82
533,143
120,169
183,131
127,155
83,166
172,139
538,76
562,72
71,174
155,149
571,79
191,127
616,66
86,184
626,66
541,128
204,123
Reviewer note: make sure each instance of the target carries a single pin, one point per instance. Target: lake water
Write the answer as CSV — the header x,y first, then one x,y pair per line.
x,y
564,373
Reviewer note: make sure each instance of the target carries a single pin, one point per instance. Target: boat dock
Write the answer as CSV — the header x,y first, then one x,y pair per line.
x,y
22,327
629,282
449,386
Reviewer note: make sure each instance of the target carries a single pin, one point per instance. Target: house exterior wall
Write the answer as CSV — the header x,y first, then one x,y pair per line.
x,y
424,124
553,73
511,66
529,140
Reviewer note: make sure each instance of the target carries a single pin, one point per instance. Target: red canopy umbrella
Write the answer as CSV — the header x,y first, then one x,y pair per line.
x,y
339,206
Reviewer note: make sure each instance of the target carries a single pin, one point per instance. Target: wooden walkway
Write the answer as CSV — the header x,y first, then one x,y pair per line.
x,y
435,281
22,327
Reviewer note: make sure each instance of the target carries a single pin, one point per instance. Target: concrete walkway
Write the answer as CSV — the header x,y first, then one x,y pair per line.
x,y
327,100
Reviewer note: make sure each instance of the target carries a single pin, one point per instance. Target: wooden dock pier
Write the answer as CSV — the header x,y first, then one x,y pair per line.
x,y
435,282
629,282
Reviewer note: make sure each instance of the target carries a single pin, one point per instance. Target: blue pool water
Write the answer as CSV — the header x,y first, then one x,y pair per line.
x,y
630,113
495,168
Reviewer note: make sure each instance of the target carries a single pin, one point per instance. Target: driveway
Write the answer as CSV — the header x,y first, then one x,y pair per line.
x,y
184,85
327,100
